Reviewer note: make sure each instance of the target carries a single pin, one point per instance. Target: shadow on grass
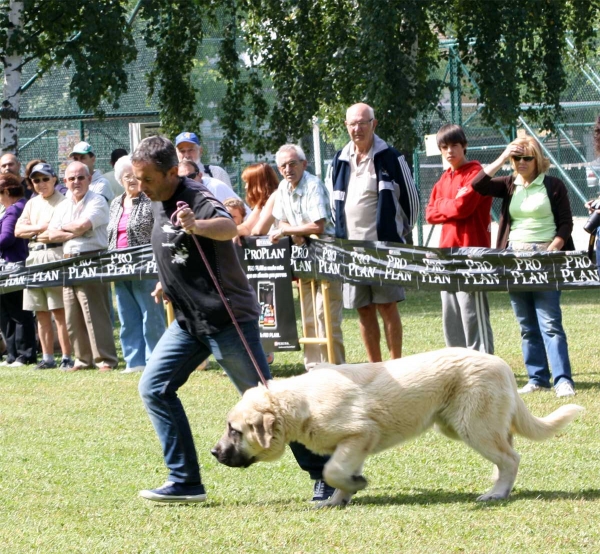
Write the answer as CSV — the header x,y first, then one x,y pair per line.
x,y
584,385
424,497
420,497
287,370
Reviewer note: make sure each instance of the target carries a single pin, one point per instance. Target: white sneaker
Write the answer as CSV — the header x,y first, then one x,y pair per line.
x,y
532,387
136,369
564,389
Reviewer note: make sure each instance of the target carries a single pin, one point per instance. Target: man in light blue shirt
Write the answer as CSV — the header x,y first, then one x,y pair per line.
x,y
302,208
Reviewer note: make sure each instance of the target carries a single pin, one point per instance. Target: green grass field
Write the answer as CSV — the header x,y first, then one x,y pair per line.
x,y
76,448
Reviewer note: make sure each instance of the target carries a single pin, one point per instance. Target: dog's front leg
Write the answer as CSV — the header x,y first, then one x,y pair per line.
x,y
344,470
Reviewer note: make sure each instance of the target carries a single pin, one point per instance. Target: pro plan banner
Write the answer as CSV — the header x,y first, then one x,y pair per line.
x,y
269,271
128,264
449,269
379,263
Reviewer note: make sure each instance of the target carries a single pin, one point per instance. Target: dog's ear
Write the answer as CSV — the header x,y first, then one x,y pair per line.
x,y
263,430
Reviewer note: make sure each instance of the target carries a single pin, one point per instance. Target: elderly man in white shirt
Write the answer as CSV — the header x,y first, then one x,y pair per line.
x,y
80,223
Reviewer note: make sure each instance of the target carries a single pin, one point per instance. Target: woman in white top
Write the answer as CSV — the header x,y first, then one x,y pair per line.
x,y
45,302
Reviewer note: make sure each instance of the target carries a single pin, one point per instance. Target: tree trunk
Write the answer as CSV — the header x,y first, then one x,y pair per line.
x,y
11,94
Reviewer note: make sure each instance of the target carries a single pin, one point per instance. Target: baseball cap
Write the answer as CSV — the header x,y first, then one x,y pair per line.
x,y
187,137
44,169
82,148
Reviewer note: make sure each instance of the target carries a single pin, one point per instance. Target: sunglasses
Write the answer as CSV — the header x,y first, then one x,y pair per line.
x,y
38,180
192,175
524,158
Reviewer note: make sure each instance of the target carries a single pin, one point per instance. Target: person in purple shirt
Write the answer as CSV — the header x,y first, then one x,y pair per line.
x,y
17,325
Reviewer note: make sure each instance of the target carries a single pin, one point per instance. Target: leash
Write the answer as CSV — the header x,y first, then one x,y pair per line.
x,y
182,206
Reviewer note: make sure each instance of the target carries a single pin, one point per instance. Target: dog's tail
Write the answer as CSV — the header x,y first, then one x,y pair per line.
x,y
542,428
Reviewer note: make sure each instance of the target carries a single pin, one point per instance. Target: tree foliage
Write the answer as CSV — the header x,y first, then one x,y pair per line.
x,y
323,56
316,56
90,36
518,54
175,31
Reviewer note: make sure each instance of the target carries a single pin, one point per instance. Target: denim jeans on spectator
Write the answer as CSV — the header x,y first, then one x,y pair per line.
x,y
142,320
174,359
543,338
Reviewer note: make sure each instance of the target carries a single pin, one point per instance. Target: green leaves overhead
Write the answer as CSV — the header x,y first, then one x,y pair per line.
x,y
517,52
316,57
90,36
174,30
322,56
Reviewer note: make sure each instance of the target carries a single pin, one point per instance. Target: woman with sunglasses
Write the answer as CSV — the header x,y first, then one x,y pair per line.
x,y
45,302
535,216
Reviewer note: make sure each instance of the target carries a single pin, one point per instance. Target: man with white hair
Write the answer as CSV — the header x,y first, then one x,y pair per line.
x,y
81,224
189,148
302,208
374,199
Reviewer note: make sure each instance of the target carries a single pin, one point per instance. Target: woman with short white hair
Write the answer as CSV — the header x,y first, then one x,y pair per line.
x,y
130,224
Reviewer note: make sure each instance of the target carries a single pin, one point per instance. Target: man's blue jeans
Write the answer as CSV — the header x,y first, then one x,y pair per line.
x,y
175,357
543,338
142,320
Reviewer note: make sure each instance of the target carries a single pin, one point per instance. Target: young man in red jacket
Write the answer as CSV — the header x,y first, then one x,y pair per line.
x,y
465,218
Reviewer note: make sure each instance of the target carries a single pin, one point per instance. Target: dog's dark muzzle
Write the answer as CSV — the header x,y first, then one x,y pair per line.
x,y
231,457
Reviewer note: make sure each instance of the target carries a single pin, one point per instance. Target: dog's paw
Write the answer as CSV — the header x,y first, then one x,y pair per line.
x,y
359,482
339,499
491,497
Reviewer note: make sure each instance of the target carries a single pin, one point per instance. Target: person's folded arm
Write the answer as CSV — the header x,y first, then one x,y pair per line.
x,y
77,227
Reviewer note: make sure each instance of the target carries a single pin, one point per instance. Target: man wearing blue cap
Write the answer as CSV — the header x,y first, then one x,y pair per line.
x,y
189,148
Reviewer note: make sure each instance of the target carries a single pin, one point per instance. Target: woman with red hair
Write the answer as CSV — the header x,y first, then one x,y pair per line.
x,y
261,182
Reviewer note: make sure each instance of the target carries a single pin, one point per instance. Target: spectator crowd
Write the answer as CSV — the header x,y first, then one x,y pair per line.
x,y
369,195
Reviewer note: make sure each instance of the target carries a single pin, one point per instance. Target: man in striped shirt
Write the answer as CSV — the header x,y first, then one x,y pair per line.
x,y
302,208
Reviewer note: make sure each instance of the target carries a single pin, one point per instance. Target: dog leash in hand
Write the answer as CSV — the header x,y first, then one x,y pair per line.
x,y
182,206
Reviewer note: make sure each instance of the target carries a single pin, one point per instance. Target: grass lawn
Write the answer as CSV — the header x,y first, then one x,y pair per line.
x,y
76,448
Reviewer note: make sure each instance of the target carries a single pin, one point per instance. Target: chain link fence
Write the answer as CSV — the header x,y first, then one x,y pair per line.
x,y
570,148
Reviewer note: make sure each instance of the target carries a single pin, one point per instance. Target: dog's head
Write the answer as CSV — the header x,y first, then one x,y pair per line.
x,y
253,432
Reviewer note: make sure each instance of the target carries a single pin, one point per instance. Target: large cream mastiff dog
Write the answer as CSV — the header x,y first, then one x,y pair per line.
x,y
352,411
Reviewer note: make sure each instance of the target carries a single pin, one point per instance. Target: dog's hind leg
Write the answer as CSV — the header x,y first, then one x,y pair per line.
x,y
499,451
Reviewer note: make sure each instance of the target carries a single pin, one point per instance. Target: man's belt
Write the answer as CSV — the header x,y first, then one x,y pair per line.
x,y
44,246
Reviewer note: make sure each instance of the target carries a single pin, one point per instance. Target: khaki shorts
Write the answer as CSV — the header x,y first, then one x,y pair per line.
x,y
43,300
46,299
359,296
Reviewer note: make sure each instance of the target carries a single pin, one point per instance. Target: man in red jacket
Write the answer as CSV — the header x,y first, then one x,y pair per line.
x,y
465,218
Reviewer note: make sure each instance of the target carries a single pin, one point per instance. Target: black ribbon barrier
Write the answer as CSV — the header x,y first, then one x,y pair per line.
x,y
270,269
449,269
380,263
